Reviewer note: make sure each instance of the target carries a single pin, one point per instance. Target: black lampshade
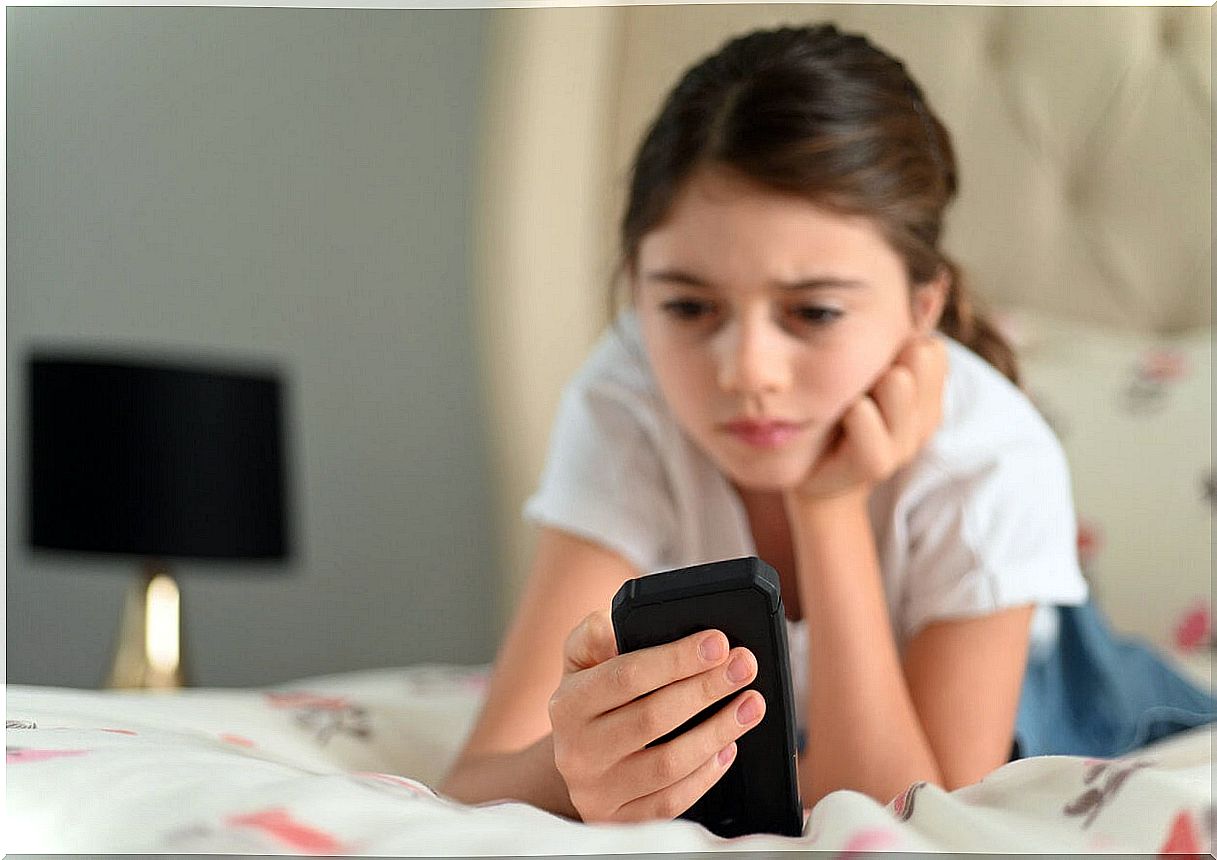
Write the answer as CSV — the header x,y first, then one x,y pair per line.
x,y
155,459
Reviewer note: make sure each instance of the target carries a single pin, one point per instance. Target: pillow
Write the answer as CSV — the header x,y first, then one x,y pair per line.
x,y
1133,413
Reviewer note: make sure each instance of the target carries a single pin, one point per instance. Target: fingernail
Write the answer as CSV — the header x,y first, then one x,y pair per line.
x,y
727,754
738,670
712,648
749,711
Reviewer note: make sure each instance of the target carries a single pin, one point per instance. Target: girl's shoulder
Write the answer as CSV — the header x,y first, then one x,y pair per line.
x,y
992,442
985,414
617,358
616,378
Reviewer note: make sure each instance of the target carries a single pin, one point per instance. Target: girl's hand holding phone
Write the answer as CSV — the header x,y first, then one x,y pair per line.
x,y
608,707
885,428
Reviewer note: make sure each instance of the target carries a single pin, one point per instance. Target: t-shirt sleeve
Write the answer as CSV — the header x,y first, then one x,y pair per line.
x,y
603,478
996,535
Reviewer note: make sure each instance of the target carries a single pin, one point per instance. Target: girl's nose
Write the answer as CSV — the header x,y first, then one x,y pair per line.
x,y
752,359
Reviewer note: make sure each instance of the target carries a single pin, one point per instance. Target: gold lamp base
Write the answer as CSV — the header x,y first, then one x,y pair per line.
x,y
149,652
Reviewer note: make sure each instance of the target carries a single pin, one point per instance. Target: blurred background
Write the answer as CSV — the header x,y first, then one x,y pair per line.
x,y
411,215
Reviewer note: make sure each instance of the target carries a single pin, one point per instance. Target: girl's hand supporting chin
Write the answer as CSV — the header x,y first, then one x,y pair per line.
x,y
884,429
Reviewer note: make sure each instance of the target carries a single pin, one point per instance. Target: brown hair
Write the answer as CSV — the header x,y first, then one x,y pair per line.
x,y
830,117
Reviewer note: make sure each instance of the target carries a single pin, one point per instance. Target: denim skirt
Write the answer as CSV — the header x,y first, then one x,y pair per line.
x,y
1099,694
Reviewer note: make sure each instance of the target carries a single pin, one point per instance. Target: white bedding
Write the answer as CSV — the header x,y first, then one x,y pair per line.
x,y
342,764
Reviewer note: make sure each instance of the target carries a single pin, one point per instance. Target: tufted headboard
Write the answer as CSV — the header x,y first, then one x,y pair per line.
x,y
1083,138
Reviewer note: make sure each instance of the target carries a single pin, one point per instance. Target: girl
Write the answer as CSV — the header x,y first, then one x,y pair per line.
x,y
800,375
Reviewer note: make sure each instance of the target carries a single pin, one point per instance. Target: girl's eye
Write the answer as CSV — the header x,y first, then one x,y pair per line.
x,y
686,309
816,315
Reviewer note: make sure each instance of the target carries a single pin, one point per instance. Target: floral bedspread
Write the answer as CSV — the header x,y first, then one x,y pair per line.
x,y
345,764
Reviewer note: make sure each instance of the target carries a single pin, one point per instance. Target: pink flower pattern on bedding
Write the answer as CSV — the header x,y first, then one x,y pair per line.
x,y
203,791
1194,630
1184,835
324,716
290,833
902,805
1153,376
1092,801
1090,547
868,839
23,755
1133,412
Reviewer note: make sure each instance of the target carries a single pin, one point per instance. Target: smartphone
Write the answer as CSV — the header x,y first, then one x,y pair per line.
x,y
742,597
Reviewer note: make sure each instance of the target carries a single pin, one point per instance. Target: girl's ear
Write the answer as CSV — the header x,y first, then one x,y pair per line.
x,y
929,298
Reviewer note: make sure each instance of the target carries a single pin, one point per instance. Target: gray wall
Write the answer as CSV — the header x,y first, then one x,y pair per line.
x,y
271,184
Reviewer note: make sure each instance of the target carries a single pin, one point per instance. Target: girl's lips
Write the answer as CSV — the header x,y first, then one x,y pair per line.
x,y
764,434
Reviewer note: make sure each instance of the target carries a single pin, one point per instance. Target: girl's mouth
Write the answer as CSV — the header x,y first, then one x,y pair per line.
x,y
764,434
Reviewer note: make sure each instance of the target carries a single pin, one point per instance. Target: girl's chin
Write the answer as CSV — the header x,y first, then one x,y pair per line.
x,y
766,471
768,477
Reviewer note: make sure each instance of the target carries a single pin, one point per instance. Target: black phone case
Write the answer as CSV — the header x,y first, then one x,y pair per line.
x,y
742,597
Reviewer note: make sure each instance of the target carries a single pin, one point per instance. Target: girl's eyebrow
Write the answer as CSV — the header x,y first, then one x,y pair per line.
x,y
819,283
676,276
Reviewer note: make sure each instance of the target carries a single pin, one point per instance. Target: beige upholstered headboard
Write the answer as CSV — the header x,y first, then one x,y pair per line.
x,y
1083,138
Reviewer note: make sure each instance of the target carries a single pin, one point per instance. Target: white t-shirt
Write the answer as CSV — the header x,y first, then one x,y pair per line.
x,y
981,519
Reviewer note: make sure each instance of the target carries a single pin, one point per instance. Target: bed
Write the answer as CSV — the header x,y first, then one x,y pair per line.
x,y
1118,362
347,764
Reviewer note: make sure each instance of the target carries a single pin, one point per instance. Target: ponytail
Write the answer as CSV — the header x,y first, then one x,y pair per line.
x,y
962,321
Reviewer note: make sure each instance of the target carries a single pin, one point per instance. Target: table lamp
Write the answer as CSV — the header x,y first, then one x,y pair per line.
x,y
160,460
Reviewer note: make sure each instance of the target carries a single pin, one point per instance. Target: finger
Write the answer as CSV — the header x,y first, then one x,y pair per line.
x,y
872,446
633,726
835,444
676,799
666,774
591,643
623,679
897,398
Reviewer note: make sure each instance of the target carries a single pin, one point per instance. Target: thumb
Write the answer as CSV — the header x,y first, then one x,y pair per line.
x,y
591,643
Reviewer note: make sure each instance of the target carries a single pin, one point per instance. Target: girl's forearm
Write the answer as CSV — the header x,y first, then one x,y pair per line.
x,y
527,775
863,731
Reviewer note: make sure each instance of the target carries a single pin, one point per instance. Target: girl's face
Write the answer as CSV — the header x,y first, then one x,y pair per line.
x,y
765,318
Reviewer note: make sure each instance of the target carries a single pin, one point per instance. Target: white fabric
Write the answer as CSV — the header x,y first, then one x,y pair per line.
x,y
255,772
982,519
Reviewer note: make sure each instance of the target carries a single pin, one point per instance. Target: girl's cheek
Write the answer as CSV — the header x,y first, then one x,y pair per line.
x,y
684,370
839,383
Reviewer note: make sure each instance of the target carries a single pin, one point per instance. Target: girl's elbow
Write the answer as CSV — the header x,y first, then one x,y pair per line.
x,y
451,785
457,782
